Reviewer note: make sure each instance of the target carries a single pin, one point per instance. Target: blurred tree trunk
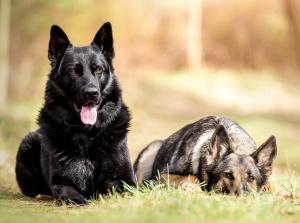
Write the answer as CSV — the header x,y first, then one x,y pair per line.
x,y
290,7
194,29
4,48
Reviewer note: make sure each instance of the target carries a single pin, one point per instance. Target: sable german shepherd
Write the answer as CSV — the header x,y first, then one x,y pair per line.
x,y
215,150
80,148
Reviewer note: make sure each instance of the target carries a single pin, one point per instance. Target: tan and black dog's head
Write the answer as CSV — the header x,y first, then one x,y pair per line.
x,y
234,173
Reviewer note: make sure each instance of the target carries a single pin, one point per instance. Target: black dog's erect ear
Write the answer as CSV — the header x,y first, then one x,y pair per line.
x,y
265,155
58,43
220,145
104,40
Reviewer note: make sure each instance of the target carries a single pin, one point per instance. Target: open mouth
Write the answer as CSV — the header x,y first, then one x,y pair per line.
x,y
88,112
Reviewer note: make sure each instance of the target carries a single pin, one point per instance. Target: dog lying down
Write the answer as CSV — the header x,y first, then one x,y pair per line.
x,y
214,150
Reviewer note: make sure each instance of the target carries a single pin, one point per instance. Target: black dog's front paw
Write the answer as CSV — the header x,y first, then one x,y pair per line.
x,y
68,195
75,200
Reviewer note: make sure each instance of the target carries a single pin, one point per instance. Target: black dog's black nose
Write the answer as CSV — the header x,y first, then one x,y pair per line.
x,y
91,93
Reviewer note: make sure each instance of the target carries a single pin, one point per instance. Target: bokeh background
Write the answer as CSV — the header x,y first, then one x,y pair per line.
x,y
177,61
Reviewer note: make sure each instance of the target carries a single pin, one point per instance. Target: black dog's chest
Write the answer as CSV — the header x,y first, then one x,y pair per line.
x,y
81,172
75,162
88,164
84,145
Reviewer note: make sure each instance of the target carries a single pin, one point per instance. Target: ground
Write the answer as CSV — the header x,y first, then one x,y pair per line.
x,y
263,103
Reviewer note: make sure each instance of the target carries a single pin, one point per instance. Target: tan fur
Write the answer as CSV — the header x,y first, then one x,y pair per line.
x,y
188,182
268,187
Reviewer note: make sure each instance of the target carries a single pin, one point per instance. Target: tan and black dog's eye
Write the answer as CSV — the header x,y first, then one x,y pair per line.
x,y
98,71
228,175
250,179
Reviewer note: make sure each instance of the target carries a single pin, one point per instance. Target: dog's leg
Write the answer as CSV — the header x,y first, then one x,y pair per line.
x,y
68,195
28,167
187,182
118,183
122,169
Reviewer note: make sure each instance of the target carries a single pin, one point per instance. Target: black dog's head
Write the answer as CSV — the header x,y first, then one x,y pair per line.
x,y
82,73
235,173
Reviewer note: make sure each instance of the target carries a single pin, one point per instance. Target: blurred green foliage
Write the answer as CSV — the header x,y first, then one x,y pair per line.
x,y
152,35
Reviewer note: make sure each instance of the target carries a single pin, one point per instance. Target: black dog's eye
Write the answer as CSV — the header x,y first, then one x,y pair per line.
x,y
75,71
229,175
250,179
98,71
71,72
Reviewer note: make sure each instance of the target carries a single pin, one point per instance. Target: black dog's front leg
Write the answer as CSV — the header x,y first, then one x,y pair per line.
x,y
118,184
121,170
113,185
68,195
59,175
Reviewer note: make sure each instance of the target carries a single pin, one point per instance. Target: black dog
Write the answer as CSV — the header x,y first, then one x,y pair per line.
x,y
80,148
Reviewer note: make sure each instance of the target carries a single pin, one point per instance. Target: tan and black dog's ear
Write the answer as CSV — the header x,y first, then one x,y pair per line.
x,y
220,145
58,44
104,40
265,155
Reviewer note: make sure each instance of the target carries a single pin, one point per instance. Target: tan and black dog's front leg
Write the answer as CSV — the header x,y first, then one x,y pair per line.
x,y
187,182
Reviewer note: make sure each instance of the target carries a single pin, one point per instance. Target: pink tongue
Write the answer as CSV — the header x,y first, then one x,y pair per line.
x,y
88,115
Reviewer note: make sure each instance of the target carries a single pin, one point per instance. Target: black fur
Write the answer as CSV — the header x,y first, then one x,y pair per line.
x,y
65,158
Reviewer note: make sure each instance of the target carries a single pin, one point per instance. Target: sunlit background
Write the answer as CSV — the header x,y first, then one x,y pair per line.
x,y
177,61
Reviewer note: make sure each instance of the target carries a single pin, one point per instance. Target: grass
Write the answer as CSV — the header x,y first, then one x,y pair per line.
x,y
158,203
161,103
